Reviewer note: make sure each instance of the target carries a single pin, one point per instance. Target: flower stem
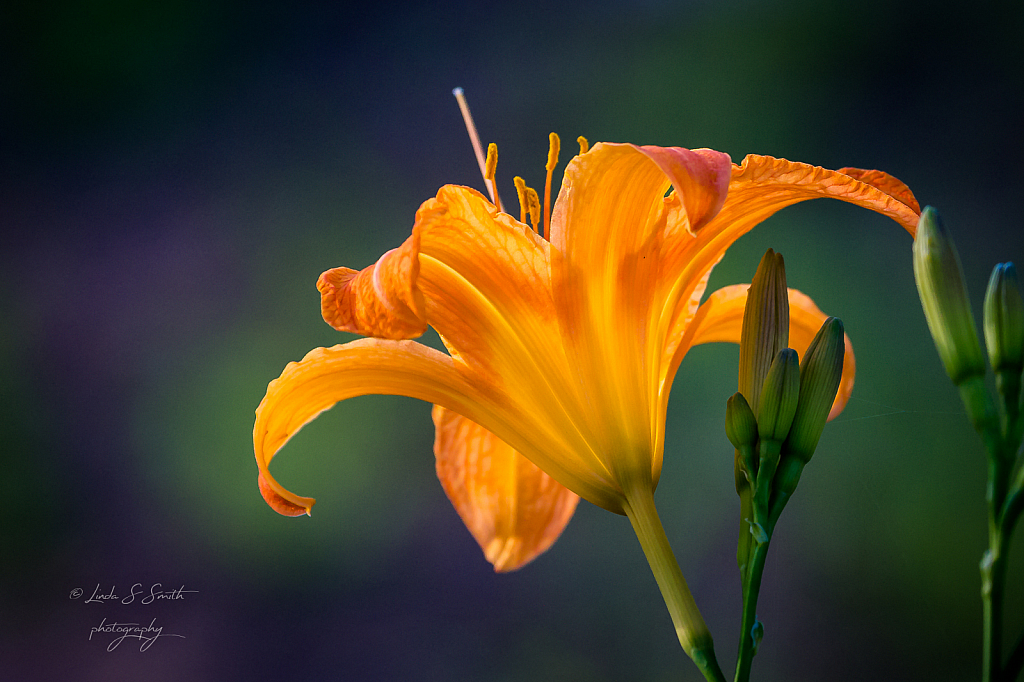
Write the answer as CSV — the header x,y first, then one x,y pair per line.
x,y
993,582
690,626
765,512
751,589
1002,440
745,541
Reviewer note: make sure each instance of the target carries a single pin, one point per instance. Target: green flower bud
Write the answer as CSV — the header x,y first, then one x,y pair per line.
x,y
1004,320
940,283
820,374
779,397
740,425
765,326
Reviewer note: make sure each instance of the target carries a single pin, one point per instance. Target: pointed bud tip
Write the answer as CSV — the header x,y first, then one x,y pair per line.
x,y
1003,321
765,329
779,396
940,284
740,424
820,375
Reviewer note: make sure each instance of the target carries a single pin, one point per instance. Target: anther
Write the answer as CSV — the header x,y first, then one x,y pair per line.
x,y
584,145
521,192
554,144
534,201
490,167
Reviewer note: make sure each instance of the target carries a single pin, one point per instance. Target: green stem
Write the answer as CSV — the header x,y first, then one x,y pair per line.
x,y
690,626
761,533
745,539
999,430
993,582
1008,388
993,563
751,591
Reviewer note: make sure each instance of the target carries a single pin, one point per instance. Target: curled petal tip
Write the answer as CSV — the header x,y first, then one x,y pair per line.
x,y
280,504
382,300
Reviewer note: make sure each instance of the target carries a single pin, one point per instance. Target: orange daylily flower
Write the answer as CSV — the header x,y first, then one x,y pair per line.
x,y
561,353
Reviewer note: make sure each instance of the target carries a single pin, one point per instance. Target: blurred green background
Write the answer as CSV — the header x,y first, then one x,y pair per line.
x,y
176,175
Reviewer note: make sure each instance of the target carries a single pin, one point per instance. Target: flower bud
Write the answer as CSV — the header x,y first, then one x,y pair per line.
x,y
1004,320
820,374
940,283
740,425
779,397
765,326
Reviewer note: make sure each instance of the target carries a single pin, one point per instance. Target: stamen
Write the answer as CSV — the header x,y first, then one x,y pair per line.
x,y
521,192
584,145
490,167
553,147
477,149
534,201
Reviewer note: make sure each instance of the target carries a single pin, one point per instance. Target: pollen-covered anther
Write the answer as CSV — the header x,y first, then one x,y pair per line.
x,y
533,207
528,202
554,145
524,206
490,168
491,164
584,145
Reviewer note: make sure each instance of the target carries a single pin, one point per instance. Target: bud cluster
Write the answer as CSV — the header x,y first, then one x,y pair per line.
x,y
776,418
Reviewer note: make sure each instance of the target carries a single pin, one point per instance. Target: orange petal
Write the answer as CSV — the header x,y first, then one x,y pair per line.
x,y
887,184
278,503
720,318
486,287
700,178
513,509
762,185
382,300
606,235
328,375
377,366
484,277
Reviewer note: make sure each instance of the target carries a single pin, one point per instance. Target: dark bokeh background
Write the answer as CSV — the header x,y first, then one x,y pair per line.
x,y
174,177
